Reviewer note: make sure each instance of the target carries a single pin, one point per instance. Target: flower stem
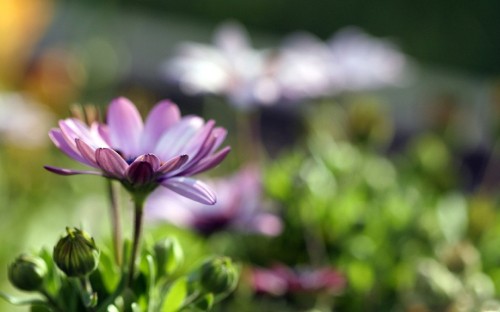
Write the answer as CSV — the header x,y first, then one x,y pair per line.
x,y
89,298
116,222
52,301
138,211
248,125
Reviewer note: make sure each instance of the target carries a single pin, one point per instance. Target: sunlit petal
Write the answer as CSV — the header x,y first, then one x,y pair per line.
x,y
163,116
125,126
191,188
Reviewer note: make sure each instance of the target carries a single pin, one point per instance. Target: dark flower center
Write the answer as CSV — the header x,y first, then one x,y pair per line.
x,y
208,225
128,160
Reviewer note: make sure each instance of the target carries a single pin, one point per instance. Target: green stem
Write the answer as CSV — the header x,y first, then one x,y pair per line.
x,y
116,223
248,126
103,307
52,301
139,205
189,300
88,296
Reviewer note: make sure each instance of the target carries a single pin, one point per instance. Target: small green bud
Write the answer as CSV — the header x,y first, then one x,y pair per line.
x,y
218,275
27,272
76,253
168,255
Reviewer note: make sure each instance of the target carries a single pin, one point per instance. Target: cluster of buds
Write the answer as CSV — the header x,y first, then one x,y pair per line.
x,y
75,254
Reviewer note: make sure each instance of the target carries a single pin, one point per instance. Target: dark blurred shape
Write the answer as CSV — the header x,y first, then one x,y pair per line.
x,y
420,27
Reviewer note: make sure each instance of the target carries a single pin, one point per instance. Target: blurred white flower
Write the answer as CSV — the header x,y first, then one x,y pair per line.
x,y
230,67
239,207
301,67
22,121
359,61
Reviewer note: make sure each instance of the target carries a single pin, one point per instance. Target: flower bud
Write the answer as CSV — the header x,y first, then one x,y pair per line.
x,y
218,275
168,255
76,253
27,272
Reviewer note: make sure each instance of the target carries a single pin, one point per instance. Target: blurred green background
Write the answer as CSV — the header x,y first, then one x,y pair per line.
x,y
403,179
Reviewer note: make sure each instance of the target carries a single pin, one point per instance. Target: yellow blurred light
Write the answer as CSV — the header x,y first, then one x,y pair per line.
x,y
22,23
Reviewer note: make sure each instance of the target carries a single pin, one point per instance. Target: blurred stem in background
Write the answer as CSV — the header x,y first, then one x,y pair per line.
x,y
249,139
115,222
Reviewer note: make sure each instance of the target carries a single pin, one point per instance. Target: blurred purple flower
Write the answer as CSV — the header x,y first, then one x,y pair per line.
x,y
165,150
280,280
359,61
239,207
230,67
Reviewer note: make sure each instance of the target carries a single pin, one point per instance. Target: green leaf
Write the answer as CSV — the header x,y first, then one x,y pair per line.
x,y
205,303
175,296
110,273
53,279
151,283
135,307
360,276
19,301
40,308
168,255
452,216
112,308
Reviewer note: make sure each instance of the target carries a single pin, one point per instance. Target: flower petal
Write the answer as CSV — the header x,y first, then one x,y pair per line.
x,y
62,143
267,224
125,126
220,134
111,162
102,131
162,116
151,159
63,171
208,162
74,128
173,164
212,142
191,188
140,172
203,151
87,152
174,141
196,148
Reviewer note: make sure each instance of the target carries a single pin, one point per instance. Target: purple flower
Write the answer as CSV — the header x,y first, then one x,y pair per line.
x,y
280,280
239,207
164,150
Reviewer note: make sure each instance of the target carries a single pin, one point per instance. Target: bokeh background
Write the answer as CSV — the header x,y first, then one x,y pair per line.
x,y
393,185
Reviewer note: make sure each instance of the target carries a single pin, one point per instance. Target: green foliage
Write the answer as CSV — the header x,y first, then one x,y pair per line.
x,y
175,296
106,290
